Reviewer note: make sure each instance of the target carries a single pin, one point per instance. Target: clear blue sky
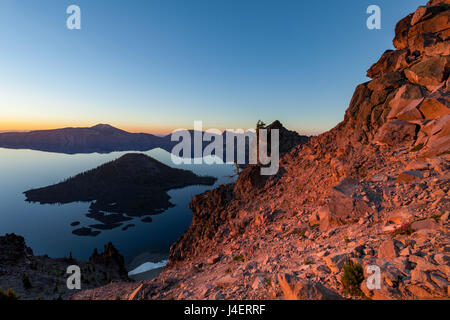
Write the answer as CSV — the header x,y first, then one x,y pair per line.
x,y
158,65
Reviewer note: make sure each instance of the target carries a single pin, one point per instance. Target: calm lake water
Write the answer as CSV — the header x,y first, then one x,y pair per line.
x,y
47,228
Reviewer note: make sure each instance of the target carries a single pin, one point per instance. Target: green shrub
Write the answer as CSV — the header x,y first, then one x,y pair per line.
x,y
352,277
417,147
26,282
405,229
8,295
302,233
239,258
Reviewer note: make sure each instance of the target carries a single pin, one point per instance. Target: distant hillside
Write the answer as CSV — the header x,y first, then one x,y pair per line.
x,y
101,138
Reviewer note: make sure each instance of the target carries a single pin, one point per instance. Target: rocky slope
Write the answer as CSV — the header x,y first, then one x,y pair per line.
x,y
41,277
374,191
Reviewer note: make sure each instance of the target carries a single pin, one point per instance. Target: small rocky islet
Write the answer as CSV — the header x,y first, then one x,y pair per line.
x,y
134,185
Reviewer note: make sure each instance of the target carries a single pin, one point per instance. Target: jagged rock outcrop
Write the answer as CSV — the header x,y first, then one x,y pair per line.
x,y
110,258
373,191
13,249
287,139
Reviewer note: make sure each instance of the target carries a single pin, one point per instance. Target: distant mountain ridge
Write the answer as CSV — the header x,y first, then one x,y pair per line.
x,y
104,138
101,138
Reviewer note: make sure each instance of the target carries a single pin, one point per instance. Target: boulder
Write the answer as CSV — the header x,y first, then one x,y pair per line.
x,y
418,276
419,292
442,258
401,32
391,60
426,12
396,132
325,218
405,102
422,264
429,73
425,224
435,105
436,136
214,259
135,294
405,252
389,81
437,2
409,175
298,289
258,283
343,205
336,262
314,219
388,250
401,216
377,294
410,113
439,280
436,21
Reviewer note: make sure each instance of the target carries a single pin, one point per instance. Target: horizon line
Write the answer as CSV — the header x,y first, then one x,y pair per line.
x,y
130,130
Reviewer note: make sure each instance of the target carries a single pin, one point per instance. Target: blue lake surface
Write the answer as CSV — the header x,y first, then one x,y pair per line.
x,y
47,228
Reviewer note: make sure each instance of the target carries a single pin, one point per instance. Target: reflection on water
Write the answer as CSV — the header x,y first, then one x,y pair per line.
x,y
47,228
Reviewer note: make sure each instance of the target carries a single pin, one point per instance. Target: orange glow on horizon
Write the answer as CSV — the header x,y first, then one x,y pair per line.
x,y
158,129
31,126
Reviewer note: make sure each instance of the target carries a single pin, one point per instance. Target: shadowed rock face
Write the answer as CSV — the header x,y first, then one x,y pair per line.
x,y
110,257
134,184
47,276
13,249
288,139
